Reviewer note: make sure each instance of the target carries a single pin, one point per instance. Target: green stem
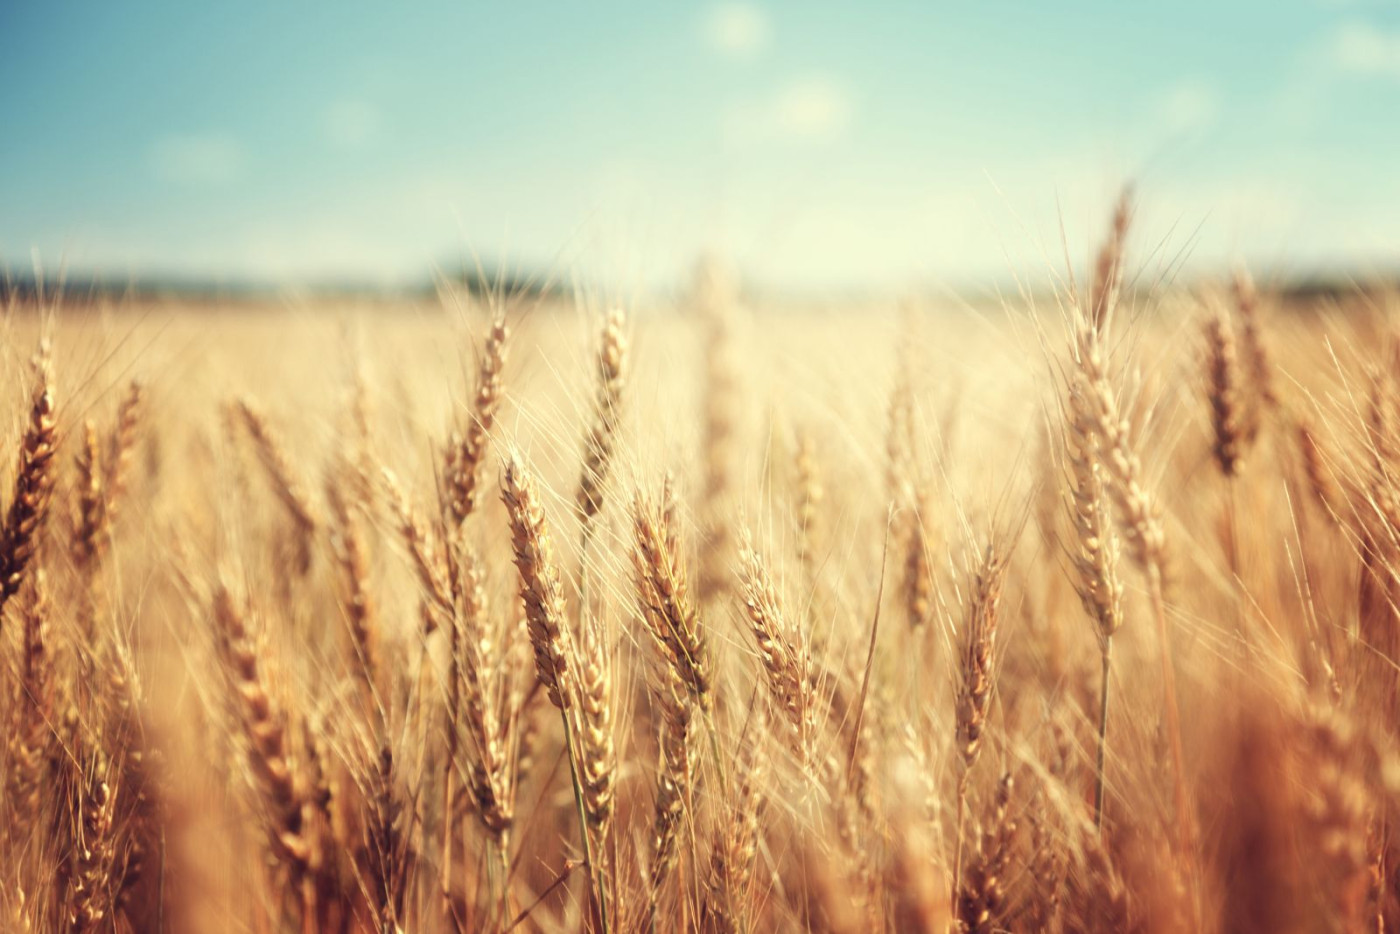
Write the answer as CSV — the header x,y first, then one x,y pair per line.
x,y
1103,735
593,871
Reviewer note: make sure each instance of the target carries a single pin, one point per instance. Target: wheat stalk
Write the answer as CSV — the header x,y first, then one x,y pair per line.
x,y
1222,372
121,442
90,533
34,480
541,591
1108,265
611,368
284,479
1096,561
428,563
265,732
1140,520
466,453
977,679
664,599
782,650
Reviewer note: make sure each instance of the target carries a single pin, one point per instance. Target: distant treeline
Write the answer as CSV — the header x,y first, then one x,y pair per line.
x,y
86,287
80,288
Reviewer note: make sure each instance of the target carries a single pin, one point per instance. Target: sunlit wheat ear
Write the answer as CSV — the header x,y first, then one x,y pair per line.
x,y
983,893
466,453
664,599
142,783
782,650
899,423
976,682
1338,808
1108,265
352,560
1223,385
1316,469
90,882
611,370
917,584
90,532
1138,513
1258,360
478,657
598,752
286,484
675,776
541,589
1095,559
422,551
34,480
1139,518
265,734
31,739
977,676
121,445
388,845
597,766
541,592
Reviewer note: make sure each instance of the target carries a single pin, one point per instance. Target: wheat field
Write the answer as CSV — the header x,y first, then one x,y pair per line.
x,y
506,613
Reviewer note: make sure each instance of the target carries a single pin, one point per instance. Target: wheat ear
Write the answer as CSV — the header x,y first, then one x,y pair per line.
x,y
611,367
466,454
1096,560
34,479
541,591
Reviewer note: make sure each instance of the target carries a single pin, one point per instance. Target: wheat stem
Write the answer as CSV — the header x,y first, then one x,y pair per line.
x,y
1103,734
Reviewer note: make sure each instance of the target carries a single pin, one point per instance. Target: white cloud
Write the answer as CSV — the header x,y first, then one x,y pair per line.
x,y
815,107
1187,107
740,30
1364,49
198,158
351,123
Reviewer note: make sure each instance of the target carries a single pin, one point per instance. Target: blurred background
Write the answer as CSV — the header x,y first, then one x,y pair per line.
x,y
823,149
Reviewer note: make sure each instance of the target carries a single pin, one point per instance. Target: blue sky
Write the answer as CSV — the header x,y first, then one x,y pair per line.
x,y
817,144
